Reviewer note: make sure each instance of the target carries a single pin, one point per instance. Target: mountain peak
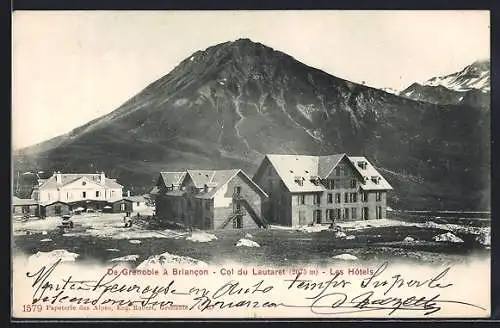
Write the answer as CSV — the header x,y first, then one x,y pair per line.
x,y
473,76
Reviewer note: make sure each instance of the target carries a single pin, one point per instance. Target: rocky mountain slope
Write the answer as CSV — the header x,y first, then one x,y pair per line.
x,y
469,86
232,103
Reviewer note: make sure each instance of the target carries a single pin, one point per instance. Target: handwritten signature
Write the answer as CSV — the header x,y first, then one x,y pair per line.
x,y
326,297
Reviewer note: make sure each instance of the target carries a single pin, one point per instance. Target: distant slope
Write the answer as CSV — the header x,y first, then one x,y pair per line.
x,y
229,105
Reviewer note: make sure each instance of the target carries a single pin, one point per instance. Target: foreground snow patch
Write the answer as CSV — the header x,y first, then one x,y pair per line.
x,y
127,258
315,228
46,240
50,257
409,239
340,234
248,236
246,243
346,257
201,237
448,237
112,249
135,241
166,260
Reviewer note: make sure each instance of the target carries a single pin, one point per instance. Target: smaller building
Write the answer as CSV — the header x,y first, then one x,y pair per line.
x,y
139,202
56,208
210,199
24,207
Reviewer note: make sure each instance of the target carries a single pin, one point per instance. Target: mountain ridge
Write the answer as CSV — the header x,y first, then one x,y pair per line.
x,y
232,103
470,85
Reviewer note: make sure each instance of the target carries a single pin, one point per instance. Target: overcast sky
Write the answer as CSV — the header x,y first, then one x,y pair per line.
x,y
71,67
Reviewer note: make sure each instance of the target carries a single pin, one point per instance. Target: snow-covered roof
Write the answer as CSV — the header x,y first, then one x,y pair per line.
x,y
370,174
172,178
23,201
67,178
306,168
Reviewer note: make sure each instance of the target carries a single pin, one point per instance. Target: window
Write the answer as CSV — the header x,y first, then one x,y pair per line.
x,y
84,183
237,190
26,209
329,215
122,207
346,197
97,193
207,204
84,194
137,203
317,216
365,213
337,214
301,199
346,171
378,196
330,184
364,197
353,198
57,210
337,198
346,214
353,183
299,181
354,213
67,195
330,198
379,212
317,199
337,171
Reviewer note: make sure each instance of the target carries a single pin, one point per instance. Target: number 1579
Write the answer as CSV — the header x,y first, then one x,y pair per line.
x,y
32,308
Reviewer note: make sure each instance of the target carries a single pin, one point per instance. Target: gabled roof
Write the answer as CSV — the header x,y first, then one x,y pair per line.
x,y
211,178
368,173
216,179
67,178
172,178
305,167
16,201
135,198
289,167
326,164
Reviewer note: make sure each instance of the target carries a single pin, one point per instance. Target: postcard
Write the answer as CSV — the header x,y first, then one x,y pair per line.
x,y
251,164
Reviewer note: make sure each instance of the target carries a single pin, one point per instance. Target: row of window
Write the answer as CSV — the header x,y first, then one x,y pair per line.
x,y
84,194
351,197
341,184
346,214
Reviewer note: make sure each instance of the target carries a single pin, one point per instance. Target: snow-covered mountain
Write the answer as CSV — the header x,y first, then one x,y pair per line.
x,y
469,86
474,76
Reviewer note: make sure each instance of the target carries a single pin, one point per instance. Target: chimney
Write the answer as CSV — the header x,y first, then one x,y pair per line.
x,y
58,176
128,193
103,178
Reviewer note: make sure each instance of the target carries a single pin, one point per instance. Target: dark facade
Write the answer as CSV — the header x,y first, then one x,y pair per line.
x,y
232,202
121,206
56,209
25,210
